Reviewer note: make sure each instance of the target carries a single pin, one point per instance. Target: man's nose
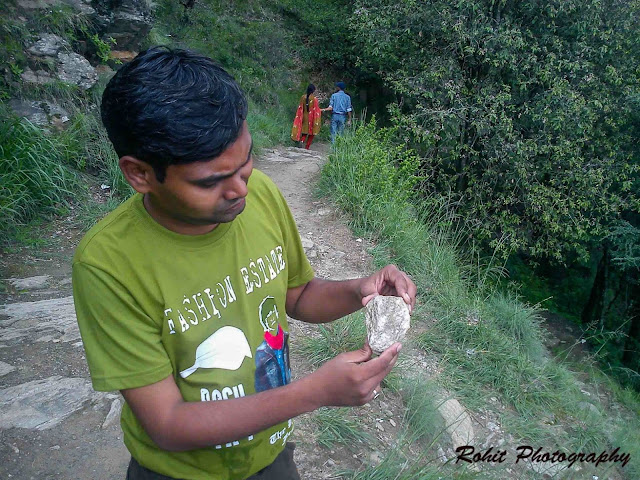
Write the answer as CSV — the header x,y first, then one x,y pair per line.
x,y
236,187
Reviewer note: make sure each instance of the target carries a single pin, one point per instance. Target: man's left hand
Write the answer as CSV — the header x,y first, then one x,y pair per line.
x,y
389,281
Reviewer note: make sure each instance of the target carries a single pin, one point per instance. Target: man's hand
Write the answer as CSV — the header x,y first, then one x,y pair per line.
x,y
389,281
351,378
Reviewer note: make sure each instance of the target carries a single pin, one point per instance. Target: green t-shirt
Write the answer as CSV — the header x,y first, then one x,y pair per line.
x,y
208,309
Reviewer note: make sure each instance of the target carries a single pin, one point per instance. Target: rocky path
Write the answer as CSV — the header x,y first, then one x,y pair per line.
x,y
52,423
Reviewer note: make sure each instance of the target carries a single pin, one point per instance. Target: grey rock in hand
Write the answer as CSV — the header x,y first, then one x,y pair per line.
x,y
387,320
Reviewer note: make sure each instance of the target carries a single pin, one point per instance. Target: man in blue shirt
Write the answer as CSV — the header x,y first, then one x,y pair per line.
x,y
340,106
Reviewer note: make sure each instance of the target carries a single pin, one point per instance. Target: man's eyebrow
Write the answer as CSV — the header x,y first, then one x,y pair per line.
x,y
217,177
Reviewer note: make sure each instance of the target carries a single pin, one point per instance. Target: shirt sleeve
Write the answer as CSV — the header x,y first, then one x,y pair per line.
x,y
349,109
332,101
123,344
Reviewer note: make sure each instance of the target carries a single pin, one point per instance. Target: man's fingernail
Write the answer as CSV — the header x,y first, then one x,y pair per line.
x,y
399,348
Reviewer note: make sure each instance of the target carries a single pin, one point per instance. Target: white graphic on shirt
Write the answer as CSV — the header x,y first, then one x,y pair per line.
x,y
225,349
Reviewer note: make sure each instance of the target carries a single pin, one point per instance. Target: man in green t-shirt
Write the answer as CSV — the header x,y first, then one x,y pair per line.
x,y
182,293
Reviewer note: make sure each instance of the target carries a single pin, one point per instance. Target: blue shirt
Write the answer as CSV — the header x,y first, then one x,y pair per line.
x,y
340,102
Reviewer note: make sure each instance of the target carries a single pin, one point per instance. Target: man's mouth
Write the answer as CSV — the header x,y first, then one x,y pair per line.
x,y
239,204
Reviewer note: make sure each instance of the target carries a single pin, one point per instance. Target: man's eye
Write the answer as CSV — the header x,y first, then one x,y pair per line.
x,y
208,184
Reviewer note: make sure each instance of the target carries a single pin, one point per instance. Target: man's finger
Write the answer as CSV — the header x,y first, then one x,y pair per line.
x,y
379,365
368,298
358,356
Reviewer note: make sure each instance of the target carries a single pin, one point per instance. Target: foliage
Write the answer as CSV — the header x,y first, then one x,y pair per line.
x,y
338,426
247,40
103,48
489,344
521,109
323,32
384,170
34,180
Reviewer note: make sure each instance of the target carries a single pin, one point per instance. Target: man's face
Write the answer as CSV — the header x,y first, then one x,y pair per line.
x,y
196,197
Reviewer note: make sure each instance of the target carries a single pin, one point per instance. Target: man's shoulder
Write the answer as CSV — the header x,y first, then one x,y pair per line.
x,y
260,183
106,230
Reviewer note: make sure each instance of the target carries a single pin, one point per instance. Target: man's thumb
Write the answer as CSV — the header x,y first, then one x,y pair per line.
x,y
358,356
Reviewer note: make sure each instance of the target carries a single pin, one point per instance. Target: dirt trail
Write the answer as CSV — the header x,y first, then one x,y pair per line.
x,y
53,425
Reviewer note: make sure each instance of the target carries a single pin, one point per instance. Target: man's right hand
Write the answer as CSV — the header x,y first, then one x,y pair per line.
x,y
174,424
350,378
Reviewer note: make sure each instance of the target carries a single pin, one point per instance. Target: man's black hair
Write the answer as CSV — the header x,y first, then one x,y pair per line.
x,y
169,107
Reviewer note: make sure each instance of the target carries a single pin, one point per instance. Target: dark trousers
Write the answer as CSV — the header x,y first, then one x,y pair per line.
x,y
282,468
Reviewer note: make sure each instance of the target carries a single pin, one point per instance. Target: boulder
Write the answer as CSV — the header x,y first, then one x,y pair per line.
x,y
387,320
40,113
77,70
39,77
82,6
128,22
48,45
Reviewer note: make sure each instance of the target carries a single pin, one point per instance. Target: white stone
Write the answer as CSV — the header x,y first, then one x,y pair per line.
x,y
457,421
306,243
48,45
45,319
387,320
114,413
30,283
77,70
42,404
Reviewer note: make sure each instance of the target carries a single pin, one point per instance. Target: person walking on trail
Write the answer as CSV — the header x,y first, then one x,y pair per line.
x,y
308,119
182,292
340,107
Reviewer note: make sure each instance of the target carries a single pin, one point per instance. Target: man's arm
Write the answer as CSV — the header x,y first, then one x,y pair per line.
x,y
322,301
176,425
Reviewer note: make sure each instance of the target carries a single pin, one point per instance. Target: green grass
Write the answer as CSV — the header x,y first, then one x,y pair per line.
x,y
338,426
34,180
489,342
421,399
346,334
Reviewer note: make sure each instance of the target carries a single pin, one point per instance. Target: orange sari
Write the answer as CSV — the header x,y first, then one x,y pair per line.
x,y
306,123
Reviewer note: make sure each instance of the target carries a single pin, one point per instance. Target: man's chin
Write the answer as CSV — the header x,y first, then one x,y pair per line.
x,y
227,217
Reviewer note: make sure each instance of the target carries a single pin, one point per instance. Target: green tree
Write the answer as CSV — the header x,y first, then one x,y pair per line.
x,y
521,109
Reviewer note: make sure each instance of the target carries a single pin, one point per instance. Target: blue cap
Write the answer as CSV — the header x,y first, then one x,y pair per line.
x,y
341,85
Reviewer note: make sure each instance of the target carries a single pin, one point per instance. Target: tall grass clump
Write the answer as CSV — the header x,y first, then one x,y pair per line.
x,y
34,180
339,426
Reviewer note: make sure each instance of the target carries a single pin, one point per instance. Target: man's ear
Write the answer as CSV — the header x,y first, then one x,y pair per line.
x,y
139,174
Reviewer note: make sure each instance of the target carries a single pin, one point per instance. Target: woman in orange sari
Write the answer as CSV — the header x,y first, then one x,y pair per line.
x,y
306,125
